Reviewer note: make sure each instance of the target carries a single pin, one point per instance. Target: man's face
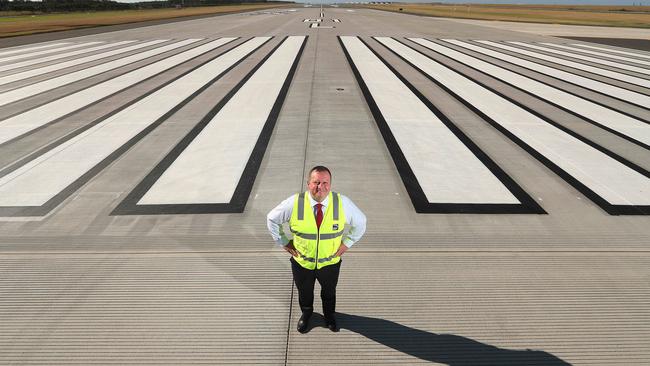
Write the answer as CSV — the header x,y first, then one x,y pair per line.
x,y
319,185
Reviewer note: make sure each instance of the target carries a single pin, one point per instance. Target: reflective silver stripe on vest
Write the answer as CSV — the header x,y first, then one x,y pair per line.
x,y
305,236
307,258
321,260
301,206
335,203
315,236
331,236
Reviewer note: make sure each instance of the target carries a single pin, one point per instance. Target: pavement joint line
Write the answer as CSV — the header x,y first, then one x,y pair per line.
x,y
360,253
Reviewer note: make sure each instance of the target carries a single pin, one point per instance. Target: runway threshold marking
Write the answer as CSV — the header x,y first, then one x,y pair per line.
x,y
45,52
59,81
20,49
223,152
577,56
59,56
442,169
628,127
576,65
622,94
572,49
26,122
612,50
62,65
616,185
40,185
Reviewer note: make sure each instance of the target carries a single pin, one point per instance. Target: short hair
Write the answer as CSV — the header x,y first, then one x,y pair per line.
x,y
321,169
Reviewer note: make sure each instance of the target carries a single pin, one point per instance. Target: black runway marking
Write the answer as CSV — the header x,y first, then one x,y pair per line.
x,y
606,206
611,81
74,186
33,155
129,206
637,44
27,82
488,58
421,204
102,81
581,62
586,119
602,56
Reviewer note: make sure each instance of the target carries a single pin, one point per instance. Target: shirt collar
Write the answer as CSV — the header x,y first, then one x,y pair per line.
x,y
313,202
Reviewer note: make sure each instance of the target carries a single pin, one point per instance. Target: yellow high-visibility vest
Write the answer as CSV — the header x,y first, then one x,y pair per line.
x,y
316,247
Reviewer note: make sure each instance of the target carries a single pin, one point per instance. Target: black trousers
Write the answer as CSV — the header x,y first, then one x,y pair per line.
x,y
327,277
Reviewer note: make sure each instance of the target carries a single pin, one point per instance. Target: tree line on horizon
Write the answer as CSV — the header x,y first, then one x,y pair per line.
x,y
53,6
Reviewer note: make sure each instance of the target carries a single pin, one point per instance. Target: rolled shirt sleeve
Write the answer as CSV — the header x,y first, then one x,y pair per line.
x,y
356,221
278,216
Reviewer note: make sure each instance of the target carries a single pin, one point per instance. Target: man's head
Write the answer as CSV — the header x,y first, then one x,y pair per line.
x,y
318,183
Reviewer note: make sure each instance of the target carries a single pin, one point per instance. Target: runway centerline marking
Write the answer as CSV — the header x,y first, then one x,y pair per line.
x,y
636,130
34,188
217,153
62,65
625,95
450,171
614,186
576,65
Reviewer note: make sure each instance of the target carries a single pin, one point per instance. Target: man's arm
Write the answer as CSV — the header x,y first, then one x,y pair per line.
x,y
278,216
356,221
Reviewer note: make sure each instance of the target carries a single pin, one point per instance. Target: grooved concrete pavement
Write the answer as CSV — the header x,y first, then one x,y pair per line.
x,y
82,286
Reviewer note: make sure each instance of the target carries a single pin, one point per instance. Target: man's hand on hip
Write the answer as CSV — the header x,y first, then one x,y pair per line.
x,y
291,249
342,249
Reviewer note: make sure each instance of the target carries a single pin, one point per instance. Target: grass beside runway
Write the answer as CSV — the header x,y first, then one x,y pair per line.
x,y
612,16
19,24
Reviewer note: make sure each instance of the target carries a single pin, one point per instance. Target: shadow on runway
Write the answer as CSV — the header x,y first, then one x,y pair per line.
x,y
447,349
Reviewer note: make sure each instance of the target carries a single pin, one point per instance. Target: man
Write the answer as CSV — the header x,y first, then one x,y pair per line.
x,y
318,242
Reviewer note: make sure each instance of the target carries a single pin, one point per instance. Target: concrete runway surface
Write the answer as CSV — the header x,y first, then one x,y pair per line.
x,y
504,175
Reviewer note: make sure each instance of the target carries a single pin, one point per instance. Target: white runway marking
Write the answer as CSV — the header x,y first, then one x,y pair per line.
x,y
612,50
60,56
62,65
574,55
43,178
46,85
44,52
576,65
216,158
37,117
611,180
317,25
602,54
611,90
28,49
628,126
446,169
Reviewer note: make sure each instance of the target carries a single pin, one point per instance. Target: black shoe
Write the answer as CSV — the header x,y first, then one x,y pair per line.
x,y
303,323
331,324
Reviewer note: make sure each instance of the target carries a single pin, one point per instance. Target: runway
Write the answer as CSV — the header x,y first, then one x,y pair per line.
x,y
504,176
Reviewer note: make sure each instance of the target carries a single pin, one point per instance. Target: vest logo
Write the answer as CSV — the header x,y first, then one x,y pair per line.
x,y
335,227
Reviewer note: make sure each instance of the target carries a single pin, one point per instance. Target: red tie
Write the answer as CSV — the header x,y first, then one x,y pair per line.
x,y
319,214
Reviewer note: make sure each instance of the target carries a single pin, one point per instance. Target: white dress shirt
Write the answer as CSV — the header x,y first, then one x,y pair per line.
x,y
355,220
